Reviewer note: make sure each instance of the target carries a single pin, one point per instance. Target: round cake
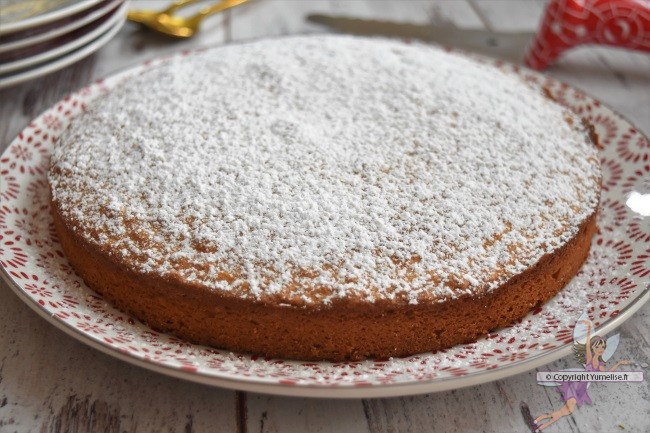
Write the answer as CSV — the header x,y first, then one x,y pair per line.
x,y
326,197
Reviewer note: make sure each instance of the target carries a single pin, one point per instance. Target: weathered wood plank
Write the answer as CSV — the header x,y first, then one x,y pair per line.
x,y
134,44
275,17
454,13
20,104
508,15
269,414
279,17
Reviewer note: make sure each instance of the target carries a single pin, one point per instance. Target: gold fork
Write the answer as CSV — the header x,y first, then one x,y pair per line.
x,y
172,25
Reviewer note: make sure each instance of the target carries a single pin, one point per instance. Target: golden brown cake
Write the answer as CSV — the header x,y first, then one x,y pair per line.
x,y
326,197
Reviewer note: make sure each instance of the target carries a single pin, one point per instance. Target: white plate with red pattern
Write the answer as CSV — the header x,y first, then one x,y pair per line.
x,y
610,287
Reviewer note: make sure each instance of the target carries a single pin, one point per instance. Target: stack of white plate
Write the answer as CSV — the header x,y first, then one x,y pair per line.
x,y
41,36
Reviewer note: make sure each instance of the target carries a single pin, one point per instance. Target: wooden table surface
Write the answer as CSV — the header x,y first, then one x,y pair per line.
x,y
49,382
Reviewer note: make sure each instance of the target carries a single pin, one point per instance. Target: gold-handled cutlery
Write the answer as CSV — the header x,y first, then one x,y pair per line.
x,y
167,23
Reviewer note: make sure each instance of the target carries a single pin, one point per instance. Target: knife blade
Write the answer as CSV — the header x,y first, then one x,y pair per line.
x,y
510,46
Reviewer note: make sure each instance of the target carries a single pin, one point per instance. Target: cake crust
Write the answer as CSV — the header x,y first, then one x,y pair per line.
x,y
342,331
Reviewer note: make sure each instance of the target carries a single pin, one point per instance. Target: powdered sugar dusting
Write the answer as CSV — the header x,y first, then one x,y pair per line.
x,y
313,168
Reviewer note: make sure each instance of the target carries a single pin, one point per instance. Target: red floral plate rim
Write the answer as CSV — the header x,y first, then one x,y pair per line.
x,y
610,287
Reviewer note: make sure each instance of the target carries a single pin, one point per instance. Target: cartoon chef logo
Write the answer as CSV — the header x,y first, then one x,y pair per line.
x,y
592,352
